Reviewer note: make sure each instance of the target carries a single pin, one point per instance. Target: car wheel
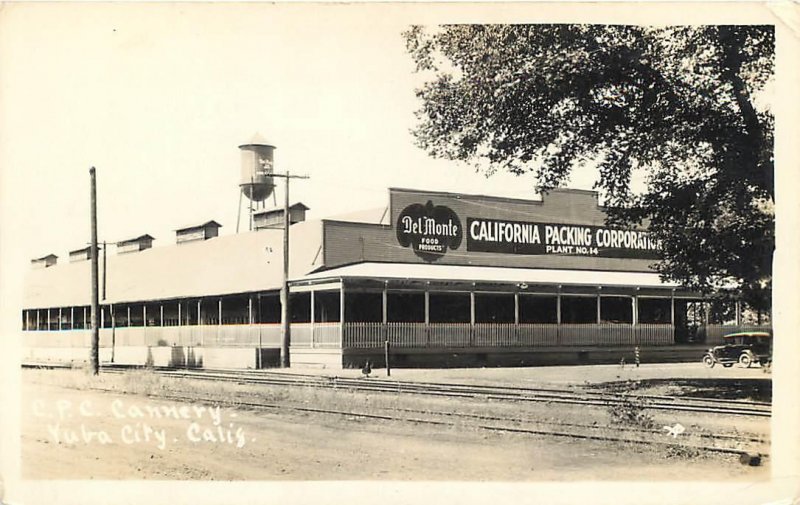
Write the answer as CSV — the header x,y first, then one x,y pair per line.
x,y
745,360
727,365
708,361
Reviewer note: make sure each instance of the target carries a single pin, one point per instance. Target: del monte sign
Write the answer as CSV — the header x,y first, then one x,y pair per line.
x,y
429,230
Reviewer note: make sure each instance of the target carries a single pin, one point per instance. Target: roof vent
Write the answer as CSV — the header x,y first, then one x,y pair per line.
x,y
80,254
45,261
205,231
273,218
139,243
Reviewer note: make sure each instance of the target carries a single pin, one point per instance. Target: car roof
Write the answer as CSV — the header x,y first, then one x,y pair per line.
x,y
761,334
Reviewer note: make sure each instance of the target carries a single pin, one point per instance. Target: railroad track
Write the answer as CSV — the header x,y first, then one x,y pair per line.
x,y
695,440
736,445
502,393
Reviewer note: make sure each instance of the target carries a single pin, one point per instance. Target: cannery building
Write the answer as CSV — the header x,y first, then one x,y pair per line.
x,y
446,279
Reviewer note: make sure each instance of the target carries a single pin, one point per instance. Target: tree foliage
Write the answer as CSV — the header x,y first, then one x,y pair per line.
x,y
677,107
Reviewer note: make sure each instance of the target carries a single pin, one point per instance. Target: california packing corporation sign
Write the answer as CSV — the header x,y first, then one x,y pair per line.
x,y
523,237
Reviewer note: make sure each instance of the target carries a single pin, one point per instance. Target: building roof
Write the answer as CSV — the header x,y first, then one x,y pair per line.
x,y
456,273
229,264
252,262
136,239
375,215
203,225
51,255
275,210
83,249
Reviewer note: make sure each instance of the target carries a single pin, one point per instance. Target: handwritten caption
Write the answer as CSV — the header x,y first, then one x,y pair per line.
x,y
72,422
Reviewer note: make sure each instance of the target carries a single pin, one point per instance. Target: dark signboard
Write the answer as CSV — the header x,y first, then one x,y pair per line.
x,y
429,229
521,237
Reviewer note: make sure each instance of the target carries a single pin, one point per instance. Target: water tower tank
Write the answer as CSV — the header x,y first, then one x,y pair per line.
x,y
257,164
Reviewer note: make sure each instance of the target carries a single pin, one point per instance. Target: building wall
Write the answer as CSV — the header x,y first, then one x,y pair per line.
x,y
347,242
193,235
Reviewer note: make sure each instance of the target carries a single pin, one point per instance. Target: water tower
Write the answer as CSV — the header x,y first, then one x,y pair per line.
x,y
256,182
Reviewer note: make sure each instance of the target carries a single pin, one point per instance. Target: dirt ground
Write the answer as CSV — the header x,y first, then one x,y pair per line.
x,y
556,375
86,434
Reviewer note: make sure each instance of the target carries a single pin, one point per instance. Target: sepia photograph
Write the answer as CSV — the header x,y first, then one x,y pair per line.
x,y
407,252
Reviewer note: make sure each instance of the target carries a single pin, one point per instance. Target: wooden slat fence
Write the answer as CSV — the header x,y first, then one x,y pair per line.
x,y
373,335
714,332
404,335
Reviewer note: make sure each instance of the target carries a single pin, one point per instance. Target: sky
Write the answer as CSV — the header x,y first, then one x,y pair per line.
x,y
158,100
158,97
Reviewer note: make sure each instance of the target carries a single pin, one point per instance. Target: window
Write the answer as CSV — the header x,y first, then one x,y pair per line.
x,y
405,307
363,307
326,307
578,309
300,306
538,309
494,308
616,309
655,310
449,308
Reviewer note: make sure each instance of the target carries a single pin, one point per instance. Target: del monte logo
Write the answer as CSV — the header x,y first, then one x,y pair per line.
x,y
429,229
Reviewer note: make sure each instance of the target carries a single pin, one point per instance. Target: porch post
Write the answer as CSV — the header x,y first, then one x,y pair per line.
x,y
558,306
672,309
472,315
385,311
314,316
385,303
250,309
179,313
427,306
38,321
219,311
161,314
59,319
72,317
516,307
129,317
598,315
341,313
472,307
558,315
635,320
144,315
427,313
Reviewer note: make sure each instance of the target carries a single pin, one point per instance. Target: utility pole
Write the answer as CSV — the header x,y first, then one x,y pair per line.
x,y
95,353
286,327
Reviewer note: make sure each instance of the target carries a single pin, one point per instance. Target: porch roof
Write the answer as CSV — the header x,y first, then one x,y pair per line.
x,y
456,273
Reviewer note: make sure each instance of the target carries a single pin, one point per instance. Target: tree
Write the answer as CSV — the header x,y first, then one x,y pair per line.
x,y
680,108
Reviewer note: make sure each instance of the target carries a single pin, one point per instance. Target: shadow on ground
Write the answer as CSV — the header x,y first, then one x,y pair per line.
x,y
759,390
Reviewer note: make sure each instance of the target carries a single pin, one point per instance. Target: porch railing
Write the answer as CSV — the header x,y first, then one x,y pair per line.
x,y
372,335
712,333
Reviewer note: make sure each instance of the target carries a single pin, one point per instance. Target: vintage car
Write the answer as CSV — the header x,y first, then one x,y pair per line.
x,y
744,348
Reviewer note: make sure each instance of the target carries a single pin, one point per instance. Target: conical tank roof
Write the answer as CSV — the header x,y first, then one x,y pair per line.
x,y
258,140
